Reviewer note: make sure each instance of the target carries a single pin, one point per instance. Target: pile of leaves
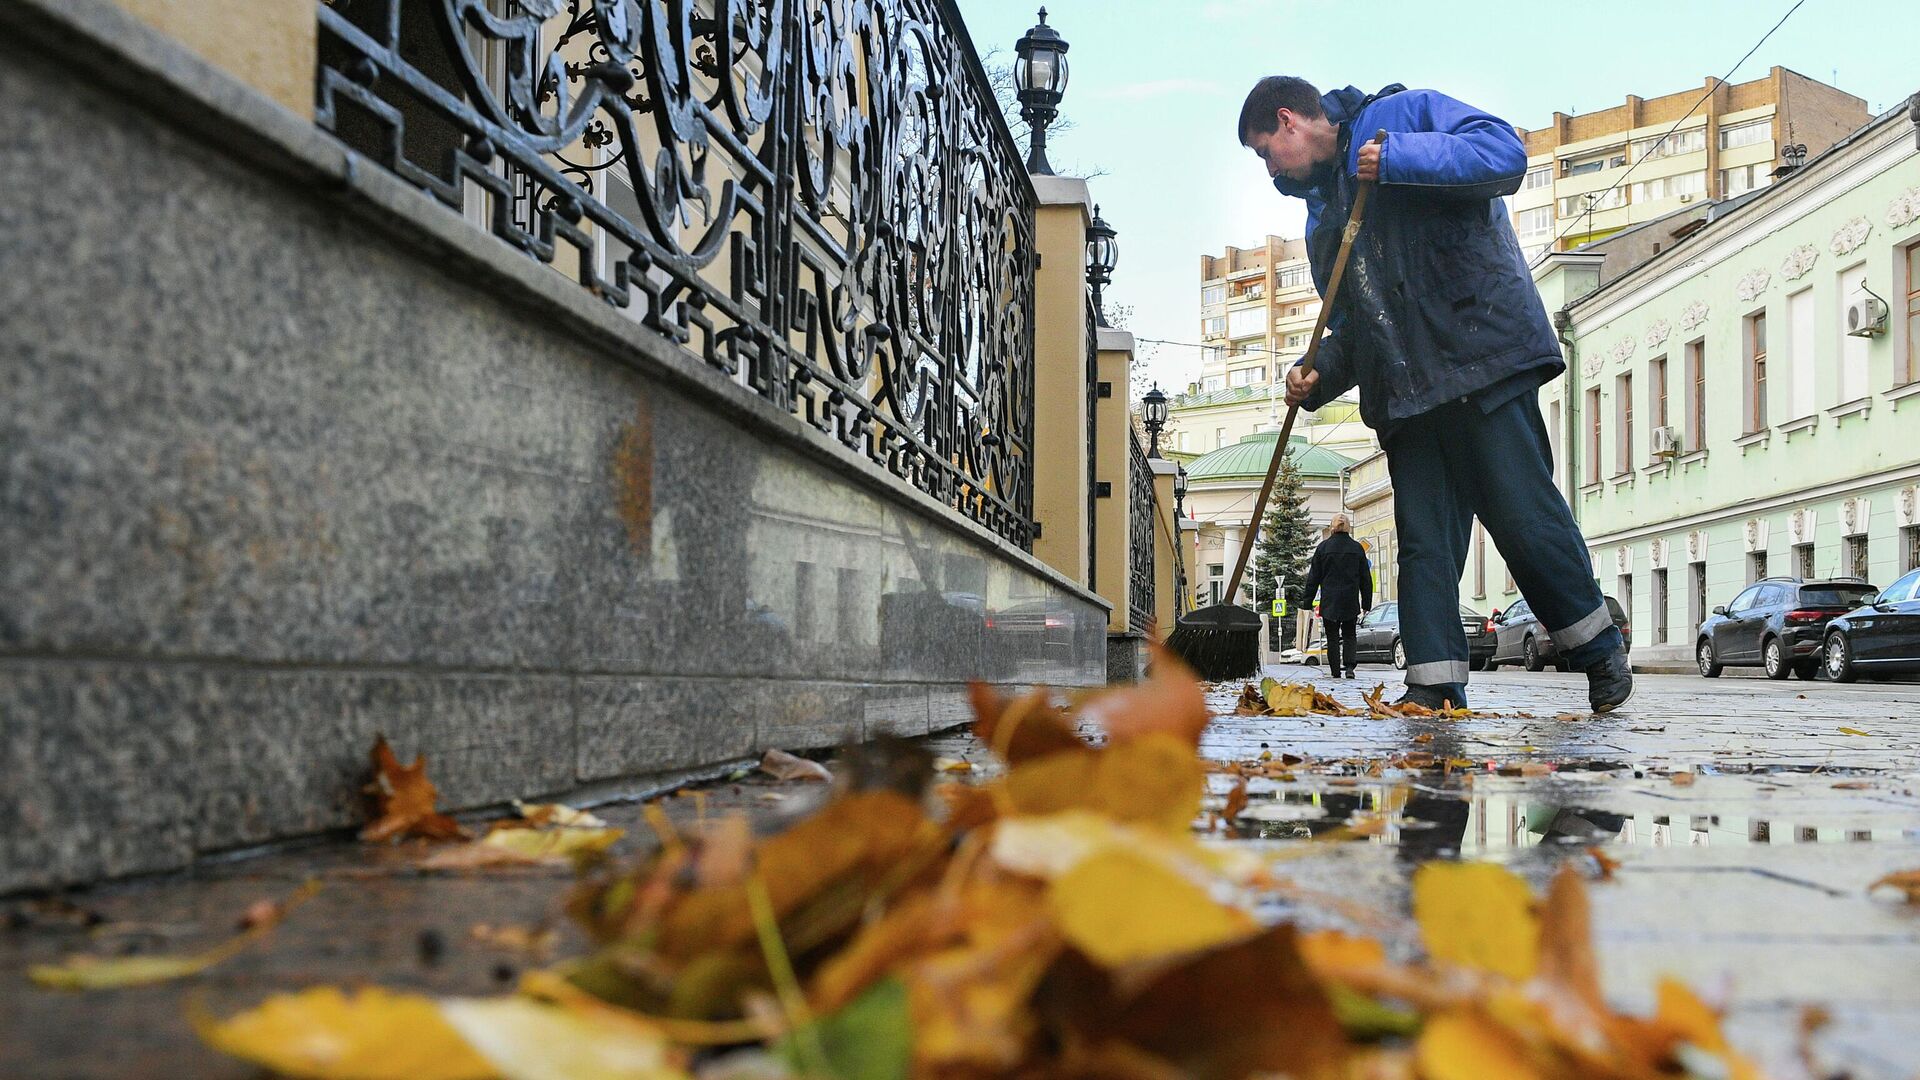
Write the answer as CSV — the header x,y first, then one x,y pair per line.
x,y
1057,919
1274,698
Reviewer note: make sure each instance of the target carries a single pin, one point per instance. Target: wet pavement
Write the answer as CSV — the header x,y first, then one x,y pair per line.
x,y
1747,878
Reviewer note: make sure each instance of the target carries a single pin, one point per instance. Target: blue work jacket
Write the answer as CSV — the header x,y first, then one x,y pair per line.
x,y
1437,304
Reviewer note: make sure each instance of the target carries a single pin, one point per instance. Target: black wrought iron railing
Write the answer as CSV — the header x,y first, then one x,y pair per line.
x,y
1140,526
818,198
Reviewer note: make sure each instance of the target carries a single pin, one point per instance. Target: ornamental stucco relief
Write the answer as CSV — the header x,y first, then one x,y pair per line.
x,y
1621,350
1657,334
1694,315
1850,236
1752,283
1904,208
1798,262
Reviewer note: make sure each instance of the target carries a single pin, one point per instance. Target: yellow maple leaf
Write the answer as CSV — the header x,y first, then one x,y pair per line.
x,y
325,1034
1150,778
1288,699
1121,906
1478,915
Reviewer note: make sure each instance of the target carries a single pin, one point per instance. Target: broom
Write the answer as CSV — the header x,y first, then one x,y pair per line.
x,y
1222,641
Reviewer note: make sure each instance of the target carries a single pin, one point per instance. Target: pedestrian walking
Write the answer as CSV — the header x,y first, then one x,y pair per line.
x,y
1343,578
1441,330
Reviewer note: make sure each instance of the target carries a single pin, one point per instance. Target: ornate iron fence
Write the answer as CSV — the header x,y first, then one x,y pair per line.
x,y
819,198
1140,524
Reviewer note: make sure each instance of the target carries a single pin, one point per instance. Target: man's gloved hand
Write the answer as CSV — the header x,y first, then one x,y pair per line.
x,y
1369,164
1300,384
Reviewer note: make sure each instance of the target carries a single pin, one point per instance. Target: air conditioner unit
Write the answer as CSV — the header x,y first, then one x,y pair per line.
x,y
1866,317
1686,198
1666,442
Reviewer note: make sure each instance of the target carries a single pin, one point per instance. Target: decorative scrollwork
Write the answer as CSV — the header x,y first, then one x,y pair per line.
x,y
1140,517
818,198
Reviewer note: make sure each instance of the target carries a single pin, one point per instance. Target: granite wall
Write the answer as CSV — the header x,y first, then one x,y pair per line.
x,y
290,455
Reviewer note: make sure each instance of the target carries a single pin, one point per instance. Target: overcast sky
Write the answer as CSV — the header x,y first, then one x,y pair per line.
x,y
1156,87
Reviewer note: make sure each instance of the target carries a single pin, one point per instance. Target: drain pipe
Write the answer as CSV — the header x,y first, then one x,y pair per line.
x,y
1563,328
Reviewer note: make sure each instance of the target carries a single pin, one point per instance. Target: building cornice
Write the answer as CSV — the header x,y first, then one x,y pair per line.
x,y
1757,506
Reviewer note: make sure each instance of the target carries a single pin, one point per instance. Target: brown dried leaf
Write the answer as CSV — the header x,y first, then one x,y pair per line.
x,y
404,800
784,766
1236,801
1170,702
1024,728
1682,779
1907,882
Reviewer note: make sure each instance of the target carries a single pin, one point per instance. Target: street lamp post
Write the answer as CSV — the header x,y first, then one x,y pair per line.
x,y
1040,74
1179,491
1153,407
1103,253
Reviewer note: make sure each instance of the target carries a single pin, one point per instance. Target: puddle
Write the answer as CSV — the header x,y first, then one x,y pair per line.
x,y
1496,817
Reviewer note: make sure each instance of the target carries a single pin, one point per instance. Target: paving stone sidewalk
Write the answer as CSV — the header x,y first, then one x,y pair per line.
x,y
1748,882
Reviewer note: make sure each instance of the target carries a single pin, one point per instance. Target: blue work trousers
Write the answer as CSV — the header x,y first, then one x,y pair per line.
x,y
1456,463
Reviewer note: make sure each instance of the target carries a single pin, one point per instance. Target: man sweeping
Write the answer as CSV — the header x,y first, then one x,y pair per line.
x,y
1442,331
1340,575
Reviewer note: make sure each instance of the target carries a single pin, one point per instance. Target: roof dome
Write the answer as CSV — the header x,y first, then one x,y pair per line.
x,y
1248,458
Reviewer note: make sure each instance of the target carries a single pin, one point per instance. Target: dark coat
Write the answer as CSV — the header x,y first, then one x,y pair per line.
x,y
1341,574
1438,304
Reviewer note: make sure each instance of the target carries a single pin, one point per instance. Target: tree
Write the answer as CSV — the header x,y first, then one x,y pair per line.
x,y
1284,548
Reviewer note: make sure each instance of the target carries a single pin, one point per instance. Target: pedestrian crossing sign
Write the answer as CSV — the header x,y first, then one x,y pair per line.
x,y
1279,606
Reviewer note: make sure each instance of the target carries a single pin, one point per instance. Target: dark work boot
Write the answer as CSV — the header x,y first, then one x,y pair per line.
x,y
1610,682
1433,697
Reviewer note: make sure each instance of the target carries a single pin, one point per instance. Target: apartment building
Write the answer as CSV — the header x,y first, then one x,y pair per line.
x,y
1702,144
1257,309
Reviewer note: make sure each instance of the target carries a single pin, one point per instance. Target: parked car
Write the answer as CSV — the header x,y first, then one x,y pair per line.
x,y
1377,638
1880,639
1776,623
1519,638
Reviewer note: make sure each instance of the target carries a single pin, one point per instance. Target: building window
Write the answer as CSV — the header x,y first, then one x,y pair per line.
x,y
1745,178
1697,599
1696,396
1296,341
1553,437
1750,134
1853,350
1213,382
1799,354
1669,187
1538,177
1593,435
1185,441
1803,561
1911,360
1623,424
1213,326
1254,291
1535,225
1612,157
1213,294
1576,205
1219,437
1756,566
1626,595
1293,276
1678,142
1509,585
1660,606
1756,388
1247,322
1910,548
1857,557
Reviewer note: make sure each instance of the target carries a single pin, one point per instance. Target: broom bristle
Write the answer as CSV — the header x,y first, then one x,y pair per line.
x,y
1217,655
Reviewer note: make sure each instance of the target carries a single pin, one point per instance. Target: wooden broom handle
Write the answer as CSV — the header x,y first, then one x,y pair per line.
x,y
1354,218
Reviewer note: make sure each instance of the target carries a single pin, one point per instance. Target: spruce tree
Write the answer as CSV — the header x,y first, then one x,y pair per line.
x,y
1285,547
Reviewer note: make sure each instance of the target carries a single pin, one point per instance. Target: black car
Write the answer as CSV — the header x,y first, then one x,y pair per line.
x,y
1880,639
1377,638
1777,623
1520,639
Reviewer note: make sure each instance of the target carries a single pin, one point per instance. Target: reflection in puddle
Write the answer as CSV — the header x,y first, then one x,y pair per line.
x,y
1491,823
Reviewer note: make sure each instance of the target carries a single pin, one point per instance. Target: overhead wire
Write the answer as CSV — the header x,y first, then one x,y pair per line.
x,y
1722,81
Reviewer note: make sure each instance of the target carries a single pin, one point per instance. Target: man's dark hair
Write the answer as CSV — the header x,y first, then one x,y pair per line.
x,y
1269,96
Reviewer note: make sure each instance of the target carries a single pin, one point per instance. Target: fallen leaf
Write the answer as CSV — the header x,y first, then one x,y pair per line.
x,y
1466,1045
1024,728
524,847
523,1039
1906,881
952,765
404,800
1152,778
1168,702
1478,915
1122,907
784,766
1607,863
1567,964
1287,699
871,1038
85,972
536,943
1851,731
546,815
1681,779
325,1034
1425,738
1853,785
1236,800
